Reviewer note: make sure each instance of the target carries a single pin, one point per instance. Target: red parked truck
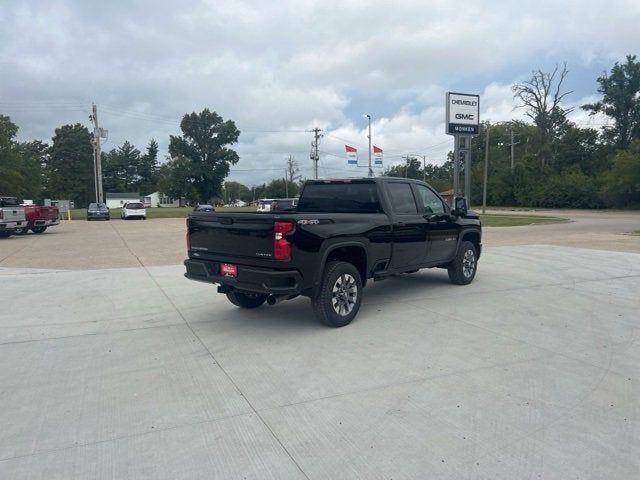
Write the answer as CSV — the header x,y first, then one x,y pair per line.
x,y
39,218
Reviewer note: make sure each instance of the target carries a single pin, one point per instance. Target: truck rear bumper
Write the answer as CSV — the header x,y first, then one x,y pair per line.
x,y
12,225
253,279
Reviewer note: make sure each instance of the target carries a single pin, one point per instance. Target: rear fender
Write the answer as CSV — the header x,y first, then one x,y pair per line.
x,y
332,247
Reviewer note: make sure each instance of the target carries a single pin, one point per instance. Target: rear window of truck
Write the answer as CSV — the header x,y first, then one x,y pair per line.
x,y
9,202
342,197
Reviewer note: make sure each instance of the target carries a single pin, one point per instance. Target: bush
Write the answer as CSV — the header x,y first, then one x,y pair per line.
x,y
570,189
622,182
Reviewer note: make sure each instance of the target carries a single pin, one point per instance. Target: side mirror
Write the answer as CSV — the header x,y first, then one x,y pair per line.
x,y
460,206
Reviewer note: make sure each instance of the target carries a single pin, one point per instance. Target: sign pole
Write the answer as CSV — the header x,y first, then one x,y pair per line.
x,y
456,165
467,170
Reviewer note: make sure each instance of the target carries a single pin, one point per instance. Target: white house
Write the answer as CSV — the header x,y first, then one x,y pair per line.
x,y
158,199
116,200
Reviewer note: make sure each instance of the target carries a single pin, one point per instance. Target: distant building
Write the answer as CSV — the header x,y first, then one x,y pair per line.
x,y
116,200
158,199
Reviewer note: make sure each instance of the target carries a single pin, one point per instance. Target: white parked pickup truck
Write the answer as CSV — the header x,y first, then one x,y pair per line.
x,y
12,216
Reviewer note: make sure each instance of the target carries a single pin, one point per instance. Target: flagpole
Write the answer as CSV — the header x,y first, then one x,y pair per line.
x,y
366,115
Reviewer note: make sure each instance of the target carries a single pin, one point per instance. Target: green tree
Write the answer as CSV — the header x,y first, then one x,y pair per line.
x,y
69,165
277,188
234,191
259,191
120,169
147,172
621,101
175,180
411,168
439,177
622,182
580,148
204,146
570,189
10,175
20,163
32,158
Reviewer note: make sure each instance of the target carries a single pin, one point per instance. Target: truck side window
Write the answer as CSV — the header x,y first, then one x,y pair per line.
x,y
401,197
430,201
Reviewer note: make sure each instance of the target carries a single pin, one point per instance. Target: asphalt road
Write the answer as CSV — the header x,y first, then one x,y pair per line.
x,y
532,371
603,230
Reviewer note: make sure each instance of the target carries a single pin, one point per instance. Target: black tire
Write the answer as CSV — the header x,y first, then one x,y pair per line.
x,y
244,299
21,231
337,309
88,219
38,229
462,269
6,234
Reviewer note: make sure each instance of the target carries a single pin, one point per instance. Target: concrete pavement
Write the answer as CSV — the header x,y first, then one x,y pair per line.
x,y
81,245
529,372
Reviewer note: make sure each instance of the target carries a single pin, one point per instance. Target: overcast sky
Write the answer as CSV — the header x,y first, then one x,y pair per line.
x,y
279,68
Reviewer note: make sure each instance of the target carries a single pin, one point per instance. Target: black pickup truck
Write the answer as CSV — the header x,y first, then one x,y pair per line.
x,y
342,233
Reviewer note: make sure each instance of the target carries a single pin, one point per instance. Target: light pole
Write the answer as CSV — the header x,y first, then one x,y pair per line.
x,y
366,115
486,168
486,161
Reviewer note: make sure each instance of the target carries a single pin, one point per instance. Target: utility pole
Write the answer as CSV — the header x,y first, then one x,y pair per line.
x,y
486,168
286,183
314,150
424,168
512,145
98,133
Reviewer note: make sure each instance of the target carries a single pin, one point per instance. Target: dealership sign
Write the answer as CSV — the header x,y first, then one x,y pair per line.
x,y
463,114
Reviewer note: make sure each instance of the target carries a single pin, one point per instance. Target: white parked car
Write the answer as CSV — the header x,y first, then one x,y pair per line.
x,y
133,210
264,205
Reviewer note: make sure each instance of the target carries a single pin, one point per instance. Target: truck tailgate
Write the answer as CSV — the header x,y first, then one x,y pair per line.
x,y
247,235
12,214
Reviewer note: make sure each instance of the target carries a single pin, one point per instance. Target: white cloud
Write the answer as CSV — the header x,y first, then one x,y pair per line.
x,y
289,66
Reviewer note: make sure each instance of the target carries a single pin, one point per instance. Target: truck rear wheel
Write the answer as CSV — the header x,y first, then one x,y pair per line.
x,y
463,268
338,299
244,299
20,231
38,229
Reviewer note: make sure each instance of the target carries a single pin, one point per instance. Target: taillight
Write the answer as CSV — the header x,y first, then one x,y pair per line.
x,y
188,236
281,246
